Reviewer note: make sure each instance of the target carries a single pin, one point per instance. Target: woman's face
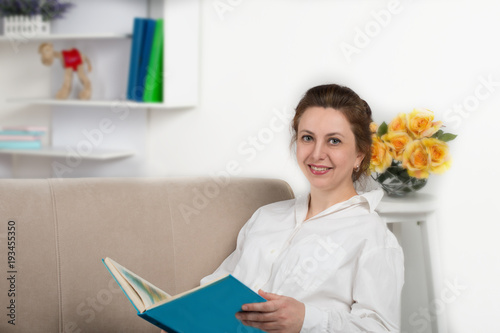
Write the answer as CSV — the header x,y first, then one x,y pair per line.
x,y
326,149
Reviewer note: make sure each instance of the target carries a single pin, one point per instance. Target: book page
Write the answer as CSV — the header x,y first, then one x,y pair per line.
x,y
171,298
148,293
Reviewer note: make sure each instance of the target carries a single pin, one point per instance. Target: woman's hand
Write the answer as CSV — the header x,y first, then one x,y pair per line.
x,y
278,314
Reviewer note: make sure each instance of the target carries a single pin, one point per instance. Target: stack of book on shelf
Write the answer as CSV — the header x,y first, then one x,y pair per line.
x,y
145,79
21,137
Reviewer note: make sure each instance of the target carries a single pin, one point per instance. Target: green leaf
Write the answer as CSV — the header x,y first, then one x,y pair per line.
x,y
437,134
382,129
447,137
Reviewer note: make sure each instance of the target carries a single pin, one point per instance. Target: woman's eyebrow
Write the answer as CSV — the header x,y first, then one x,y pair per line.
x,y
329,134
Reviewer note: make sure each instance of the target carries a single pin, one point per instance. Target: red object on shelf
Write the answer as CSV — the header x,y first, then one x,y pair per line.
x,y
72,58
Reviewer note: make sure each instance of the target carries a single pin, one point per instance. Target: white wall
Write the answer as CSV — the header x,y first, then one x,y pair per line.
x,y
259,57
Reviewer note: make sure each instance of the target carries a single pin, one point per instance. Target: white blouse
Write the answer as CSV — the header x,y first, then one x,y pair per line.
x,y
343,264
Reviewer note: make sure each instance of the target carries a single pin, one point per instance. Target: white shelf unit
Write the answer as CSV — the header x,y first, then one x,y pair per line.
x,y
54,37
93,103
98,36
180,58
99,155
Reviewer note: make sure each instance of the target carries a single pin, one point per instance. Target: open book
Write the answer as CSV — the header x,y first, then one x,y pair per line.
x,y
208,308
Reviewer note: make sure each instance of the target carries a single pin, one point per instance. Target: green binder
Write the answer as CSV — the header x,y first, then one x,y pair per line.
x,y
153,88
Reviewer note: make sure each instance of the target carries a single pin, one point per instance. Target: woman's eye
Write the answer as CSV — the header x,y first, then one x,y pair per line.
x,y
334,141
306,138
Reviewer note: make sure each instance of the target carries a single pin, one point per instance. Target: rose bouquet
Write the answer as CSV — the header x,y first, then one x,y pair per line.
x,y
408,150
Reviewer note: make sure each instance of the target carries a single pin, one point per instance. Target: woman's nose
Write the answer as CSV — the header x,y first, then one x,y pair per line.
x,y
319,151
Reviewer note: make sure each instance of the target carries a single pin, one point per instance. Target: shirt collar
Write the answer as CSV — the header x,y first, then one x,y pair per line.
x,y
370,198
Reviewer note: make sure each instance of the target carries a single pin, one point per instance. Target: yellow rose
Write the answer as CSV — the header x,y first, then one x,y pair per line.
x,y
439,154
416,159
397,142
381,158
373,127
420,123
398,124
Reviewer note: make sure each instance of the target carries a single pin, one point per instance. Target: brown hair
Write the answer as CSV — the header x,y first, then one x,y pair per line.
x,y
355,109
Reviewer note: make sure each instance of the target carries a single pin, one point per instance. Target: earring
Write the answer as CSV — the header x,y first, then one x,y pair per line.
x,y
357,168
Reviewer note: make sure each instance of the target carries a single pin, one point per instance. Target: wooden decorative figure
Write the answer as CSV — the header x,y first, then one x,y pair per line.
x,y
72,61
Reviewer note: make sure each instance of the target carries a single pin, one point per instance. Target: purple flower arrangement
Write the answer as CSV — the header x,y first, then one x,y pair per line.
x,y
54,9
49,9
13,7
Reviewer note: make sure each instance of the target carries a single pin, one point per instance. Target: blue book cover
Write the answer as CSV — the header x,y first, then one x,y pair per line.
x,y
135,56
144,60
20,144
208,308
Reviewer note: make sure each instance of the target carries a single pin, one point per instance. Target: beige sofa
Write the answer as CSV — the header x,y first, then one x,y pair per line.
x,y
171,231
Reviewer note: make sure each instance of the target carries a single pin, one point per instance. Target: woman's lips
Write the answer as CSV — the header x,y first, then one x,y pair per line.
x,y
318,169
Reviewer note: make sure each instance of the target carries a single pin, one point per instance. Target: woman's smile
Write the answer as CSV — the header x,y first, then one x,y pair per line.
x,y
319,170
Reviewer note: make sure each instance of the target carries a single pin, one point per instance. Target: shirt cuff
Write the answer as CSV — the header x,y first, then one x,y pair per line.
x,y
315,320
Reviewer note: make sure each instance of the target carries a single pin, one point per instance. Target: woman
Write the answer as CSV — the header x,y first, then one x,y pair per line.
x,y
327,262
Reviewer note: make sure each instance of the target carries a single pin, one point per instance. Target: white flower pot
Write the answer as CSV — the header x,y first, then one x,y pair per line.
x,y
25,26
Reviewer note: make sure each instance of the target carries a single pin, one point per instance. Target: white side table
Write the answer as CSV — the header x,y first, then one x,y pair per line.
x,y
420,208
